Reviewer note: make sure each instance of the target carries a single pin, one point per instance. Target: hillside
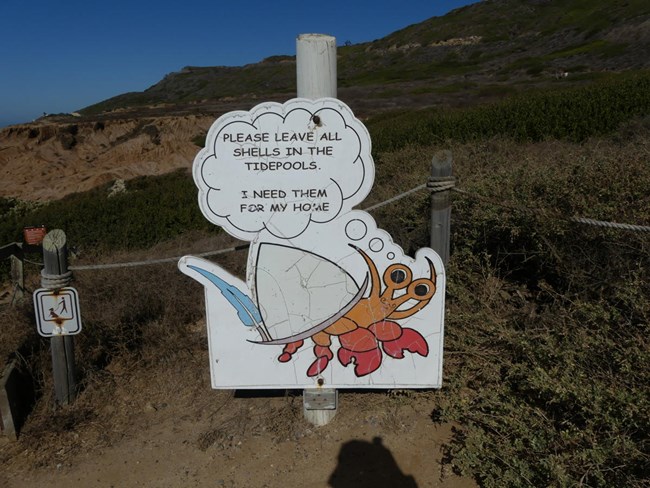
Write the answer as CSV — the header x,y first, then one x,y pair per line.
x,y
487,49
474,55
47,161
547,300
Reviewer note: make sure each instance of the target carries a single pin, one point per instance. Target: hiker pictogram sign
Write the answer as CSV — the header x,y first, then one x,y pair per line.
x,y
57,311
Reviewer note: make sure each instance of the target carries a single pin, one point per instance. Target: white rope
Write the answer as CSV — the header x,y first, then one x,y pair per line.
x,y
441,183
155,261
445,183
549,215
55,281
395,198
611,225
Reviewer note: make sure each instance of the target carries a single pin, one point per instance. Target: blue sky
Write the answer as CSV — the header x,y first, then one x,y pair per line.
x,y
63,55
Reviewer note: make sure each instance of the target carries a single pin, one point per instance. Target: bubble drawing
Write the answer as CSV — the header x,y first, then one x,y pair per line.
x,y
376,244
273,168
356,229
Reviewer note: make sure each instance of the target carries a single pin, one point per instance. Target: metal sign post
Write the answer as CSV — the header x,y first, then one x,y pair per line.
x,y
316,78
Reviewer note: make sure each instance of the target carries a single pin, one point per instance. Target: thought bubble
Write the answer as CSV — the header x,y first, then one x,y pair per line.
x,y
283,167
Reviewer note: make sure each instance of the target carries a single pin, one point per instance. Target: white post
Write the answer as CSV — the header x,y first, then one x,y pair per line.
x,y
316,78
316,66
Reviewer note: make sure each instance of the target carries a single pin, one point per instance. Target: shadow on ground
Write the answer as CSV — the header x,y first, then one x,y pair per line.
x,y
364,464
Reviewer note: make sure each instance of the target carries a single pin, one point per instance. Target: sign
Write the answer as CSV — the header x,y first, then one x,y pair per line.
x,y
281,167
329,299
33,236
57,311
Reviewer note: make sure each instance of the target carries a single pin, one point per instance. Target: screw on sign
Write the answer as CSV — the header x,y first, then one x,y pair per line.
x,y
57,312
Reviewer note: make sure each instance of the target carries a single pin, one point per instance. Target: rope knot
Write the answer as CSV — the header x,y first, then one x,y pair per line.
x,y
441,183
55,281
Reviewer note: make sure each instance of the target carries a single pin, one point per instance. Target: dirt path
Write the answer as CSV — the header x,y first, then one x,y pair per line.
x,y
164,427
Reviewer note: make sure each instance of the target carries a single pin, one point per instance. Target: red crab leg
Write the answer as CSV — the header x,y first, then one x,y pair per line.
x,y
410,340
361,346
365,362
323,357
289,350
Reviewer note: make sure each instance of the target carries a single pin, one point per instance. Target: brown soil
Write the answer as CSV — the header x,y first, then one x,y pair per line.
x,y
48,160
165,427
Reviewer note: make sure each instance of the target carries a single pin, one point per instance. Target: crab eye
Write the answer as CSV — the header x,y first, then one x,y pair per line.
x,y
421,290
398,276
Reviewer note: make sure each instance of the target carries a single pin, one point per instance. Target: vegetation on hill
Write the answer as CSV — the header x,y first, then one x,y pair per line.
x,y
152,210
546,350
573,114
486,49
547,359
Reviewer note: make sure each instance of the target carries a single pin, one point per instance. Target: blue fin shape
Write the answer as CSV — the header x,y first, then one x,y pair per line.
x,y
246,309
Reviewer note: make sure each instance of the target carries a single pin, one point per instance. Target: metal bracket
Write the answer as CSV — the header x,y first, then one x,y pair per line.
x,y
320,399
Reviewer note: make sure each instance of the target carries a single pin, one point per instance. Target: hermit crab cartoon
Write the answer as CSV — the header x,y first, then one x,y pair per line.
x,y
366,319
370,321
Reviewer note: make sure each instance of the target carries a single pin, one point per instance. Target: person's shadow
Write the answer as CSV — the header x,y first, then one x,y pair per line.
x,y
368,465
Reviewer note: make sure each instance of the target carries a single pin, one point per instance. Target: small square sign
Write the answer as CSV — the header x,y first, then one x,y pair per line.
x,y
34,235
57,312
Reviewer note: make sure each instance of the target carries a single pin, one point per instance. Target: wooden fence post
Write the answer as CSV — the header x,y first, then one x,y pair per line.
x,y
441,173
55,259
14,252
316,78
17,273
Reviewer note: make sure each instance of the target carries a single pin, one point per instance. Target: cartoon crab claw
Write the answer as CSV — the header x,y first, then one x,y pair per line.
x,y
365,362
289,350
410,340
323,357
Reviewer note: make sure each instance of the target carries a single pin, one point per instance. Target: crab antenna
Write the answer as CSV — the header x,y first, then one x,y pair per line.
x,y
433,276
375,281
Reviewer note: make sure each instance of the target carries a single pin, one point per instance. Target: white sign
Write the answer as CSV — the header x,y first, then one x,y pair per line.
x,y
281,167
57,312
329,298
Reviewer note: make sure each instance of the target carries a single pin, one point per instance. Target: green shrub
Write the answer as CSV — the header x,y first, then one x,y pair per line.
x,y
546,332
153,209
572,114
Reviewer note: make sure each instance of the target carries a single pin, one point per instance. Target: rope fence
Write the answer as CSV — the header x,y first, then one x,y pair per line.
x,y
157,261
433,185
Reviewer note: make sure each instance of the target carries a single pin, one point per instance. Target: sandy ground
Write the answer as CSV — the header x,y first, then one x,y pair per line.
x,y
167,428
42,161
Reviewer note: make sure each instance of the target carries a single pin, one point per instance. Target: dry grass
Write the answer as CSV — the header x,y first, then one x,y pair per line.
x,y
534,305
